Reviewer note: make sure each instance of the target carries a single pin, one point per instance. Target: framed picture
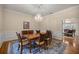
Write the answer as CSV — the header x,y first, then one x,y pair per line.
x,y
26,25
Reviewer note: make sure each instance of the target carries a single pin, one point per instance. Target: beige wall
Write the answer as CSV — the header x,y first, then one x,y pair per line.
x,y
53,22
13,22
1,15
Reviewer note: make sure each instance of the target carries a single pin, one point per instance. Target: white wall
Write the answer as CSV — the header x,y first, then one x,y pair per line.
x,y
54,21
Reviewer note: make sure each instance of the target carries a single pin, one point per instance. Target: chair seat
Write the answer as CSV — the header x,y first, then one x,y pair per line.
x,y
23,37
39,43
24,42
48,39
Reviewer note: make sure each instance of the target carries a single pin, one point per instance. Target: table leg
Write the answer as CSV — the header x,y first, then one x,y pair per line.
x,y
30,46
46,43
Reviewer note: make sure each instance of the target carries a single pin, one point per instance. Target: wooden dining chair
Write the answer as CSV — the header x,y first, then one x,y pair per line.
x,y
30,31
49,37
41,42
23,42
24,32
37,31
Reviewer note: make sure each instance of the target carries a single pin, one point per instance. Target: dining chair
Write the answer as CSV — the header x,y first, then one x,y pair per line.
x,y
41,42
24,32
30,31
49,37
37,31
23,42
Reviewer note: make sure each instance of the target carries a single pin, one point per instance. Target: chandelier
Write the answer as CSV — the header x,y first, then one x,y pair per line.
x,y
67,20
38,17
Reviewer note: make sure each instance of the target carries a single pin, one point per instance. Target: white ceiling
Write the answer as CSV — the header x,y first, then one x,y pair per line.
x,y
43,9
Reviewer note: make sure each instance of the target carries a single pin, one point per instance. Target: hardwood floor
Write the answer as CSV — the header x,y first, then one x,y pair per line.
x,y
4,47
72,46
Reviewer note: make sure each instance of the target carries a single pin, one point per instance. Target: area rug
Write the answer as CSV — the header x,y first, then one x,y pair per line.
x,y
57,48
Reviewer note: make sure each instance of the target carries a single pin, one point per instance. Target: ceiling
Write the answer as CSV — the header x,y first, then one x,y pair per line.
x,y
43,9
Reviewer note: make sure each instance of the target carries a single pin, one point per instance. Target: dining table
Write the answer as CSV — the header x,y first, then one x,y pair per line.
x,y
32,37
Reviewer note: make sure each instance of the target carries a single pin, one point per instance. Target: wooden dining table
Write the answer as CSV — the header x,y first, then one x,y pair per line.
x,y
32,37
